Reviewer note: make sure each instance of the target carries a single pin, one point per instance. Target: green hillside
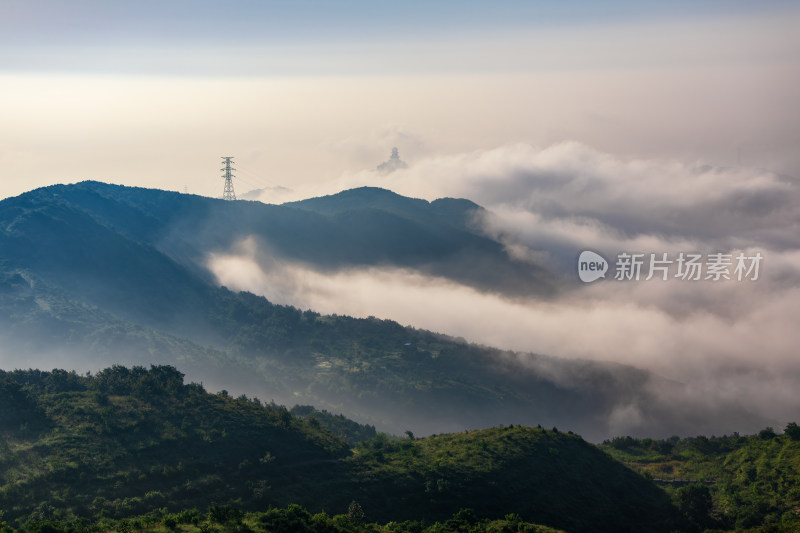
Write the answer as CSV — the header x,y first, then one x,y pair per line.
x,y
228,519
349,431
556,478
730,482
133,442
127,441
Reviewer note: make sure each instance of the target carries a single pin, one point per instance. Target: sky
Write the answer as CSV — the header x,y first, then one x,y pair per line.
x,y
302,93
660,127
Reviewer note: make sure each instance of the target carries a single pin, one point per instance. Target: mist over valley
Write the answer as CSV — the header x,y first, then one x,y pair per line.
x,y
96,274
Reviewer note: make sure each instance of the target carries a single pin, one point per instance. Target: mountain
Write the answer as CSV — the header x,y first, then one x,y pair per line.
x,y
356,228
135,441
94,274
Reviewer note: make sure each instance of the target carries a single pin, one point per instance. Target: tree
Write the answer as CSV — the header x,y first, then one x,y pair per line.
x,y
694,501
793,430
284,417
464,517
222,514
767,433
355,514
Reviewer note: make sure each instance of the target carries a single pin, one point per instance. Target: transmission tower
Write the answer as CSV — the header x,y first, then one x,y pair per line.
x,y
228,194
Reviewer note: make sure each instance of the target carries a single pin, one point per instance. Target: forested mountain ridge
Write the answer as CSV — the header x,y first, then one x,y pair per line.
x,y
131,441
94,274
359,227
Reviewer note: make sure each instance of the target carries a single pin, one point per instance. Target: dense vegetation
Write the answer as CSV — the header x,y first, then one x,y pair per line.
x,y
130,440
557,478
131,448
729,482
349,431
127,443
223,518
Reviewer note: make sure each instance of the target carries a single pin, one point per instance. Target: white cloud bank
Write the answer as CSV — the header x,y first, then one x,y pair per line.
x,y
729,340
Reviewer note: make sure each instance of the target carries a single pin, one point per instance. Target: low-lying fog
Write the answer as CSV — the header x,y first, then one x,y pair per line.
x,y
728,340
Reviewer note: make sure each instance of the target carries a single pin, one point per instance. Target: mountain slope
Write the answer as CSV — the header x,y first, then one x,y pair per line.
x,y
729,482
129,441
376,370
95,274
362,227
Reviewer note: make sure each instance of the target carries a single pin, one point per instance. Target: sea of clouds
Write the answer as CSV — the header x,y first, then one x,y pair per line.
x,y
727,341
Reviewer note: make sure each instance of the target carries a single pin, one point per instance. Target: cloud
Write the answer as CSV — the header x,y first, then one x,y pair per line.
x,y
371,149
270,195
573,182
569,196
713,354
728,342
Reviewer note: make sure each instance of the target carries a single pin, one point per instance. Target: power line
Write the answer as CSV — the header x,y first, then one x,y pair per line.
x,y
254,179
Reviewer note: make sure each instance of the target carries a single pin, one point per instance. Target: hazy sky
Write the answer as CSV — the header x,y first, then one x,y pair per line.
x,y
152,93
